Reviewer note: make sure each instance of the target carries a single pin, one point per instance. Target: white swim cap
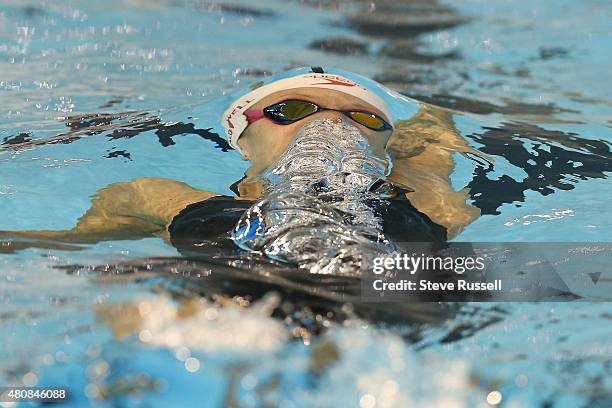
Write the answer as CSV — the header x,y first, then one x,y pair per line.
x,y
234,120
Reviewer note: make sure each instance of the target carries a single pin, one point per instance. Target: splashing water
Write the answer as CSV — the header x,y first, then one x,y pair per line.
x,y
318,211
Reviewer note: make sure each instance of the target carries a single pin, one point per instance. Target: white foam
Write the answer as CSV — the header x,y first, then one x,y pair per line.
x,y
211,327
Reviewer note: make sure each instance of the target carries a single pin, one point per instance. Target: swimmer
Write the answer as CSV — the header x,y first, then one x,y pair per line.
x,y
413,158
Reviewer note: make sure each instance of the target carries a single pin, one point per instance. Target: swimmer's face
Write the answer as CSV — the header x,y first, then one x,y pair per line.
x,y
264,141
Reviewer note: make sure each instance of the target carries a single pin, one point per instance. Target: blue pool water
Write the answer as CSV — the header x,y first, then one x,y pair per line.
x,y
532,75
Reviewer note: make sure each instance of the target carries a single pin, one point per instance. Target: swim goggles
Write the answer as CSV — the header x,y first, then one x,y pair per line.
x,y
292,110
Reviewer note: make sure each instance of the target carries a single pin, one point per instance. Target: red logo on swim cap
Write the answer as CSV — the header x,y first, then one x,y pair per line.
x,y
335,82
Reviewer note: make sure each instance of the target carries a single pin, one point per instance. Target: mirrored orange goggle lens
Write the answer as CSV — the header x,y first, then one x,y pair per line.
x,y
367,119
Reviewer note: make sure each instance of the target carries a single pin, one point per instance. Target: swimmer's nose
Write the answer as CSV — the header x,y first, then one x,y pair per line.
x,y
333,115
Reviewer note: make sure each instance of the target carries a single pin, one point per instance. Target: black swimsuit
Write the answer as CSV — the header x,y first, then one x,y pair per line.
x,y
203,228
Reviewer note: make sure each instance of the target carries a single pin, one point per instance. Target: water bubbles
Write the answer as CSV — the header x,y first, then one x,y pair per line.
x,y
494,398
182,353
538,218
318,212
192,364
521,380
29,379
60,357
92,391
209,327
248,382
64,104
144,308
7,189
48,359
145,336
98,370
367,401
211,313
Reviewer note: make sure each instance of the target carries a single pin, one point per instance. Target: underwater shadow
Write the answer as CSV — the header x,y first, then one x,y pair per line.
x,y
557,161
114,126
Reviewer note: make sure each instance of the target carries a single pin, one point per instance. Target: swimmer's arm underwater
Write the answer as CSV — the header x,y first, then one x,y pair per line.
x,y
422,149
138,209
